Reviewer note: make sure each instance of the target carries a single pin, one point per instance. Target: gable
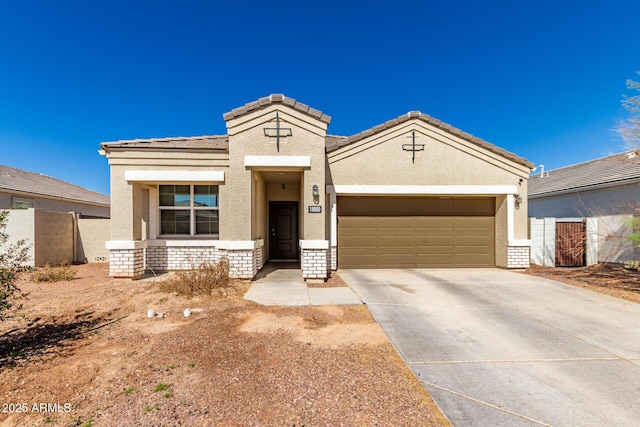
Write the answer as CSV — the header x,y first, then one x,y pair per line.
x,y
276,126
386,155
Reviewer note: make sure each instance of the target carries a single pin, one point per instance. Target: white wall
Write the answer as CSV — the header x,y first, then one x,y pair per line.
x,y
21,225
605,240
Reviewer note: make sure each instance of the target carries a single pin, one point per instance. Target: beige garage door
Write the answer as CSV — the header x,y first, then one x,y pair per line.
x,y
394,236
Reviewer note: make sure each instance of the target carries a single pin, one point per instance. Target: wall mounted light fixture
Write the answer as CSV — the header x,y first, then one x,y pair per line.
x,y
316,194
518,199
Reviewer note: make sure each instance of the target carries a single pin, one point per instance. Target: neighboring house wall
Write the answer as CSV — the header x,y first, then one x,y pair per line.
x,y
604,240
617,200
91,238
53,205
54,237
610,236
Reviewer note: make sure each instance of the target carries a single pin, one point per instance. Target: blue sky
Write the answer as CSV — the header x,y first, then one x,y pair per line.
x,y
542,79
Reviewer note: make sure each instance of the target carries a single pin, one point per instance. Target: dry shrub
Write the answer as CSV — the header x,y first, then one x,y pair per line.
x,y
54,273
201,281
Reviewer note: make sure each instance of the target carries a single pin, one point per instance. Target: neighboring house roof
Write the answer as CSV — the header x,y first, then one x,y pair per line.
x,y
332,142
213,142
36,184
617,169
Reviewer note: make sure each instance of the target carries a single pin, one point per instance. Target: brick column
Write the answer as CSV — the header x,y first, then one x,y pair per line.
x,y
245,257
518,256
126,258
315,259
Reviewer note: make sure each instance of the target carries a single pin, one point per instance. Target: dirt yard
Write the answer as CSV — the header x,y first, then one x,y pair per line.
x,y
85,353
612,280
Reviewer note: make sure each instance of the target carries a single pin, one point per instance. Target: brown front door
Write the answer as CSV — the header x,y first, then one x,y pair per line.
x,y
283,228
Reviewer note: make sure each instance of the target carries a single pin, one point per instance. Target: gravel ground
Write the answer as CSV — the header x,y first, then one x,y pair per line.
x,y
89,352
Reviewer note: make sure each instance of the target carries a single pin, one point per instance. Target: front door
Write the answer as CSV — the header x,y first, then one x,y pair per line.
x,y
283,228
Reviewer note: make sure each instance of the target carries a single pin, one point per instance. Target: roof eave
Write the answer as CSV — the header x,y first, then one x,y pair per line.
x,y
53,197
604,185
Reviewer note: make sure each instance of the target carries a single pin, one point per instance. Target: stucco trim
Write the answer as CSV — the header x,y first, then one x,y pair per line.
x,y
181,243
173,176
239,244
422,189
314,244
522,242
125,244
277,161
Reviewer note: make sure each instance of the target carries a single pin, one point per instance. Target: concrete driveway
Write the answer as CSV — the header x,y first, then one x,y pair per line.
x,y
495,347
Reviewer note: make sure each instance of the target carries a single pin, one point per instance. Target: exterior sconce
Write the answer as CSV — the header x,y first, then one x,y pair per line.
x,y
316,194
518,199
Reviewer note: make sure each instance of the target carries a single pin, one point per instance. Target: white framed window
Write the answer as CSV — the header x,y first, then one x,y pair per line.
x,y
188,210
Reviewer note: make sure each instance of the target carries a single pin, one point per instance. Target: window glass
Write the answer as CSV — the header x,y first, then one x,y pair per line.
x,y
174,195
188,209
206,221
174,222
205,195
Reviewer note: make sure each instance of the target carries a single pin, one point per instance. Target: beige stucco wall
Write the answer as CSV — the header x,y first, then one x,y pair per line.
x,y
446,161
53,237
130,201
92,235
501,231
247,138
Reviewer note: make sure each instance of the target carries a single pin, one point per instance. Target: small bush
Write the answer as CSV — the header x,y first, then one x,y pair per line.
x,y
201,281
50,273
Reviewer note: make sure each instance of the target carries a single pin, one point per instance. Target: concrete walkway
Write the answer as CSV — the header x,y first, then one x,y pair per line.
x,y
283,285
500,348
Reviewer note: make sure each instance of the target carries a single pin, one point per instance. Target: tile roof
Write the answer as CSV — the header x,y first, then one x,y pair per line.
x,y
338,142
13,179
618,168
276,99
212,142
332,142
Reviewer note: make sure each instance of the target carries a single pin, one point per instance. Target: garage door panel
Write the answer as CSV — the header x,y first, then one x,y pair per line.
x,y
361,261
434,261
471,241
471,260
395,241
359,242
434,222
434,241
396,260
418,241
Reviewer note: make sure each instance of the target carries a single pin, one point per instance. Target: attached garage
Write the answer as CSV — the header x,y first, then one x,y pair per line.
x,y
392,232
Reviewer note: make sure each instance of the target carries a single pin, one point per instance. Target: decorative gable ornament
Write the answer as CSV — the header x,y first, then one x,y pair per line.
x,y
413,147
277,132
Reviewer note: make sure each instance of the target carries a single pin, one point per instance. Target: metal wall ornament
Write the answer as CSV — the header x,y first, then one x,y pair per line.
x,y
413,147
277,132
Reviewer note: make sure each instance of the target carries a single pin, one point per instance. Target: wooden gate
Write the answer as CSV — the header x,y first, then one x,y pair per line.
x,y
571,240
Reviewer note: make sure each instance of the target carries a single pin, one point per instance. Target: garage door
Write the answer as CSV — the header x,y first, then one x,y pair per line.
x,y
393,235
